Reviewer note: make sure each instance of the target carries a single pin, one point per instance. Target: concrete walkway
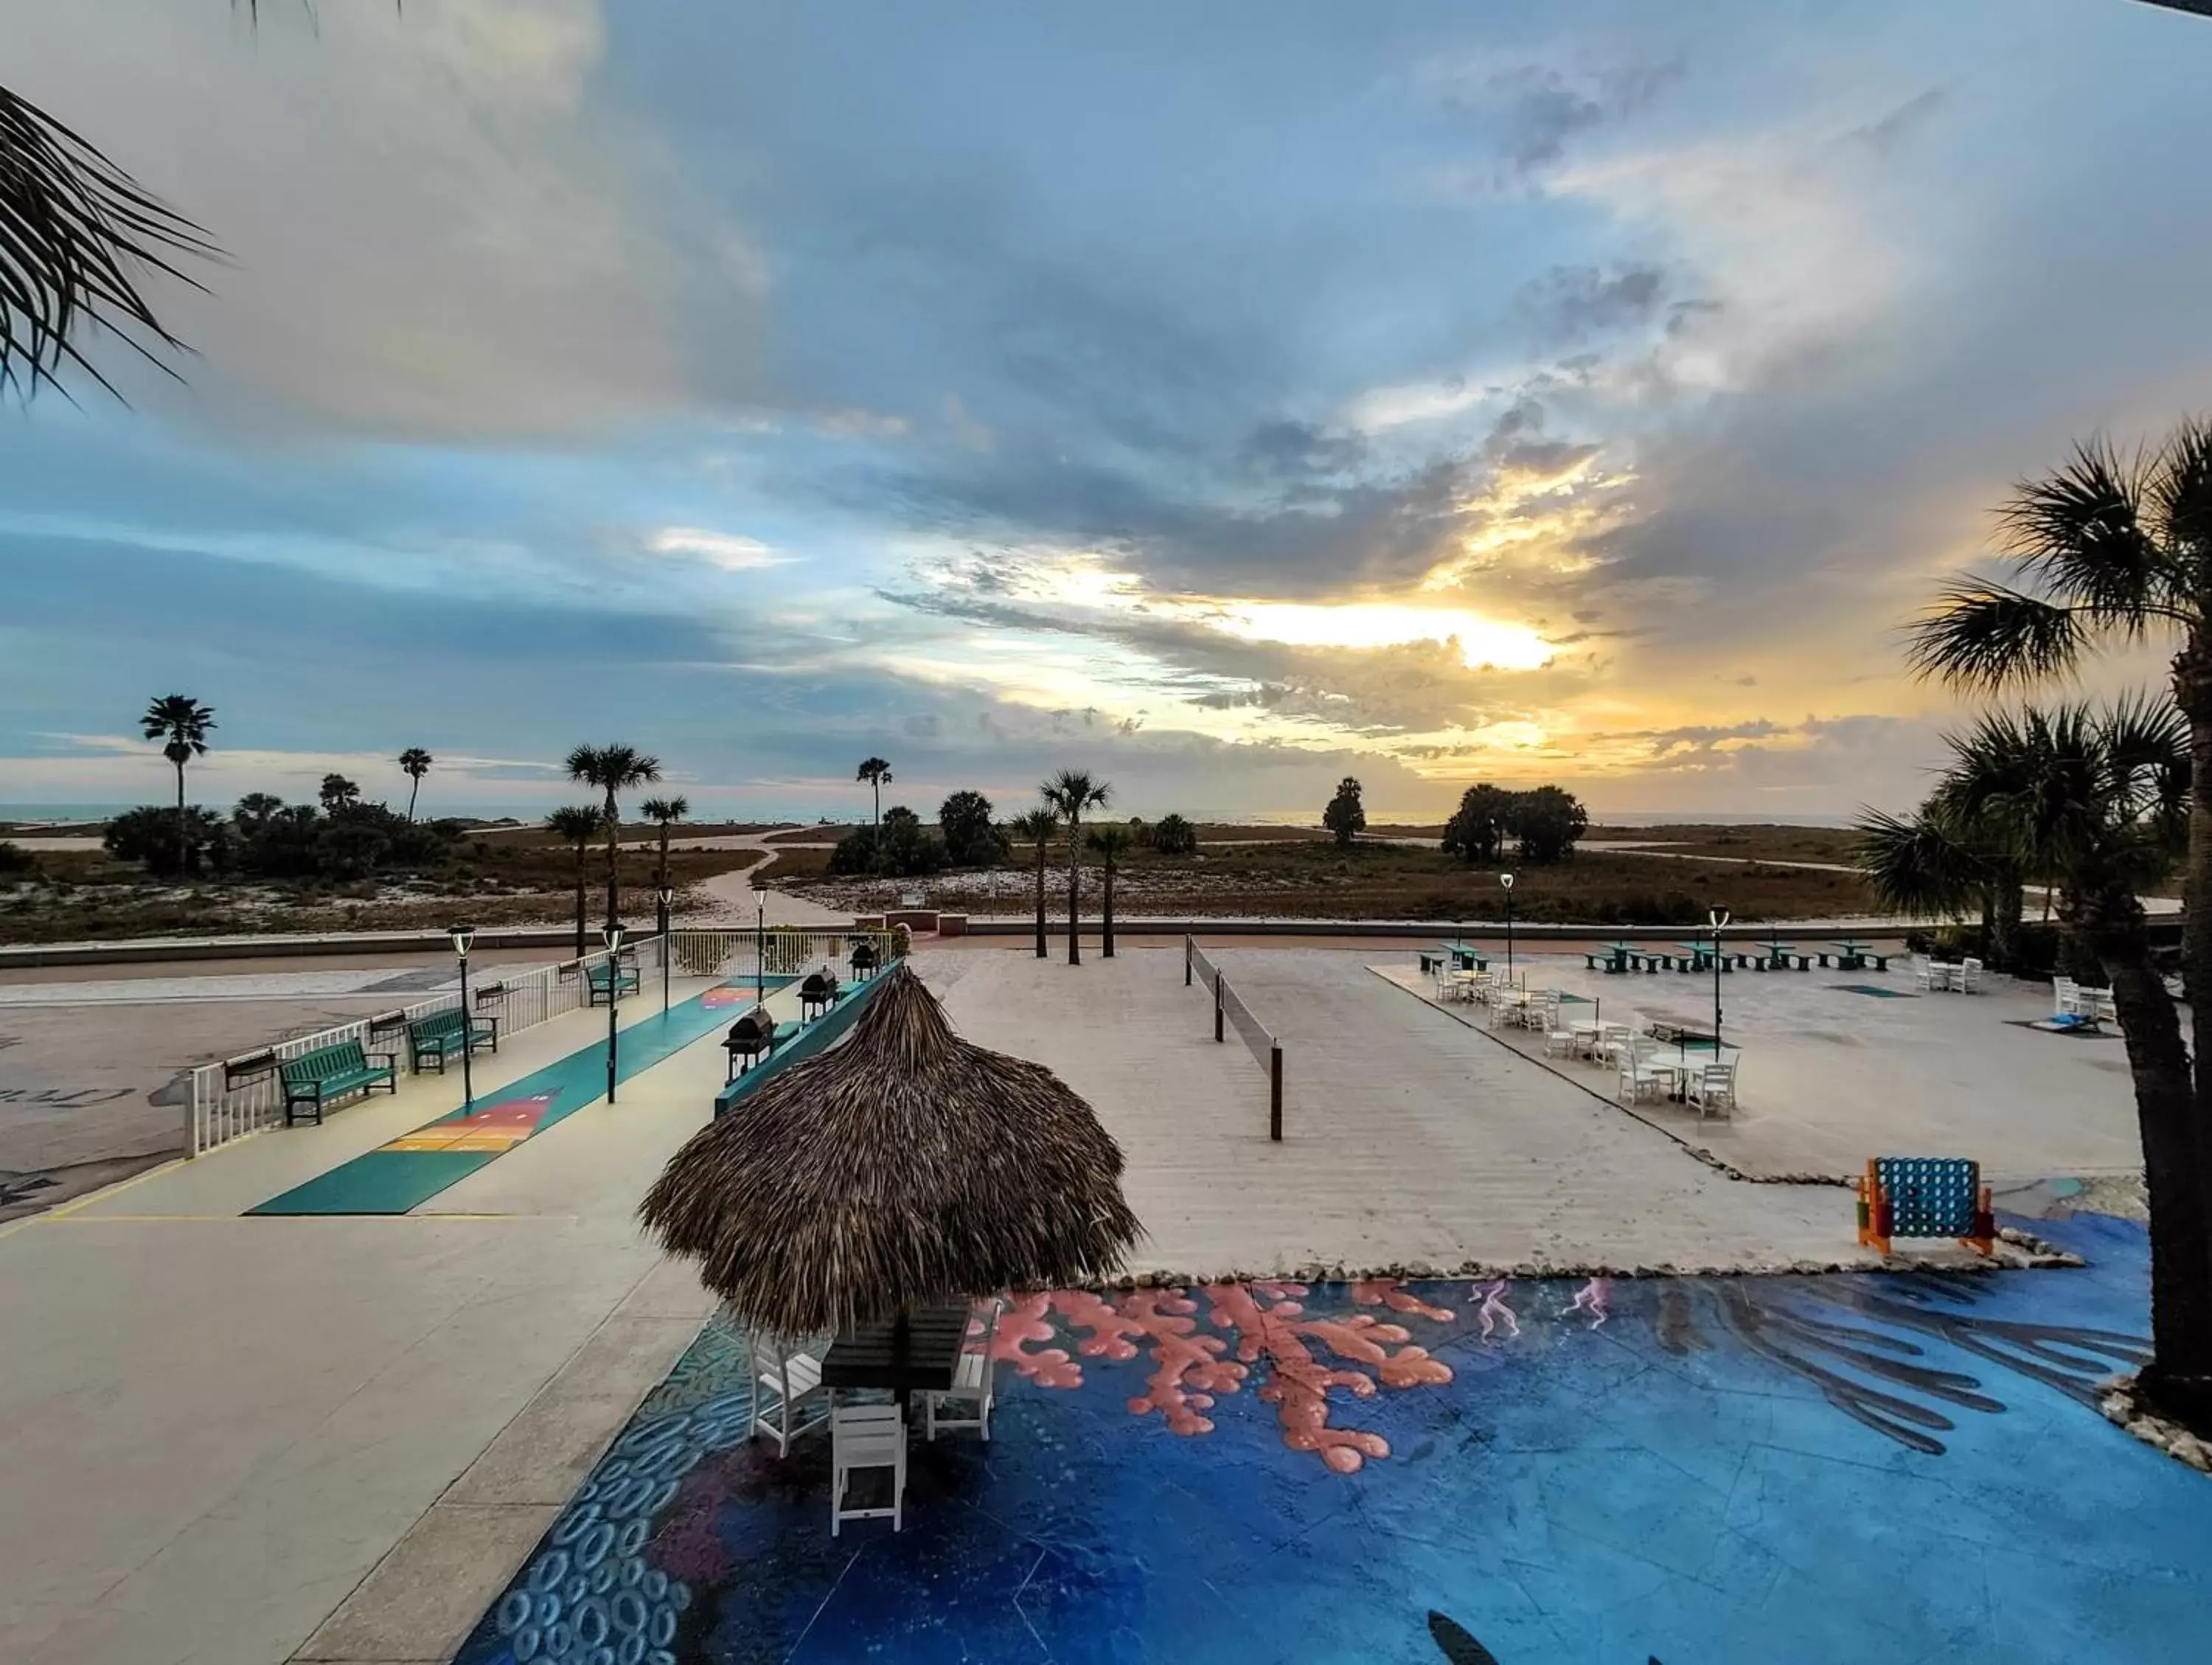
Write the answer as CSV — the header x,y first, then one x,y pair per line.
x,y
1409,1137
1832,1075
215,1431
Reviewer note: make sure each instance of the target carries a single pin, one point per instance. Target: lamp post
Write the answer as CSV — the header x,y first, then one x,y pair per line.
x,y
760,949
1719,916
1506,880
463,935
613,933
667,912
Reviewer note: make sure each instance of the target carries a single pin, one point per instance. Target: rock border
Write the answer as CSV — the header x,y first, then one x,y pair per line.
x,y
2116,1398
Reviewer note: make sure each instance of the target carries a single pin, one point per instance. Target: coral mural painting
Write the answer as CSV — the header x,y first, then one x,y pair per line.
x,y
1192,1366
1493,1473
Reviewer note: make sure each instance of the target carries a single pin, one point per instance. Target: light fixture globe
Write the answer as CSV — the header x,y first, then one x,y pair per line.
x,y
461,936
1506,880
613,936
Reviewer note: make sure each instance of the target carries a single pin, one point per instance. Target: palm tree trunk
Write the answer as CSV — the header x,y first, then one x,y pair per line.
x,y
2180,1378
2192,692
1041,952
1106,929
415,786
2004,922
614,849
582,850
1075,890
180,820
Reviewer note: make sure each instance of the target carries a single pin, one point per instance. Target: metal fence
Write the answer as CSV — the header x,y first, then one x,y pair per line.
x,y
241,1096
1229,1007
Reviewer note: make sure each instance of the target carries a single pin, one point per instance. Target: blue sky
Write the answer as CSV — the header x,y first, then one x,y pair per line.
x,y
1225,399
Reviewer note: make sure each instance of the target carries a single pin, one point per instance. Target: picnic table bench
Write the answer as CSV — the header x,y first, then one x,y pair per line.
x,y
1853,956
313,1079
1458,956
605,982
436,1037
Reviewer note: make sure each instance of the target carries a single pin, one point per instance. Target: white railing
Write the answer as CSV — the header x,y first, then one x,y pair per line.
x,y
242,1095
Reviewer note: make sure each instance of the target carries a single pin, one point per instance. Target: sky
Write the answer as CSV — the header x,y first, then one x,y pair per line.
x,y
1222,400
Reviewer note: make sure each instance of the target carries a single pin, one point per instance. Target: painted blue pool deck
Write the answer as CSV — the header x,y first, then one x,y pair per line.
x,y
406,1172
1715,1472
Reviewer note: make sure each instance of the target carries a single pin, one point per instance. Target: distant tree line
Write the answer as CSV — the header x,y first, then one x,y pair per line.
x,y
265,837
900,844
1544,825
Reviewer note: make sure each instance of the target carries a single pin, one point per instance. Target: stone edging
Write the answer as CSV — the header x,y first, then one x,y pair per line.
x,y
2117,1399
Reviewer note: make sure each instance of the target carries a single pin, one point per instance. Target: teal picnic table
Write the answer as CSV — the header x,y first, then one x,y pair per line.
x,y
1853,955
1778,955
1698,954
1615,957
1461,956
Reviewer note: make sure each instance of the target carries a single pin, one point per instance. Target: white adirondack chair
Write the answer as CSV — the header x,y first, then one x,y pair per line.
x,y
2066,999
866,1437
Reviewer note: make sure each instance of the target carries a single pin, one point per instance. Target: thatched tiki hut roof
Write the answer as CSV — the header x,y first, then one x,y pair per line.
x,y
905,1166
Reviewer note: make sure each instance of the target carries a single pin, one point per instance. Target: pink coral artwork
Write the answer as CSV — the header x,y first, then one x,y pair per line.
x,y
1299,1359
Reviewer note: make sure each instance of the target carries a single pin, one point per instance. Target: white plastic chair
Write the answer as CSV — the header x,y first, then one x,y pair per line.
x,y
1559,1040
2066,999
780,1405
1637,1079
866,1437
975,1382
1712,1089
1966,976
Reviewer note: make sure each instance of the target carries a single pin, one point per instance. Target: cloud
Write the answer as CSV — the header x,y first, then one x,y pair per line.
x,y
1569,304
1531,111
434,229
730,553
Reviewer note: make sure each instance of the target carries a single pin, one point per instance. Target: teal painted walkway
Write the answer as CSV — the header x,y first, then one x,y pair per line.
x,y
405,1174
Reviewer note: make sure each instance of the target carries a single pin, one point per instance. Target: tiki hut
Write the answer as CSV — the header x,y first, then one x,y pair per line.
x,y
905,1167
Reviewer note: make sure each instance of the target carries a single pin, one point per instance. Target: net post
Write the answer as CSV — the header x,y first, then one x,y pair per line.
x,y
1217,1005
1275,1094
1186,962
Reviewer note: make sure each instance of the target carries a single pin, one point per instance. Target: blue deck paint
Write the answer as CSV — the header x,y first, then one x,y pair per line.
x,y
396,1182
1704,1472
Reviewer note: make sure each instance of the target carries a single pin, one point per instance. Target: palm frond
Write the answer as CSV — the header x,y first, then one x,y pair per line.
x,y
2079,531
77,233
1981,634
2181,496
1921,866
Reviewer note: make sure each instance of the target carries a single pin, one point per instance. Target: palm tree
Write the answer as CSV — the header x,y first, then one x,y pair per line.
x,y
2101,802
875,771
2106,550
1111,843
181,719
1070,793
87,230
1038,827
1957,863
415,764
613,769
577,824
667,812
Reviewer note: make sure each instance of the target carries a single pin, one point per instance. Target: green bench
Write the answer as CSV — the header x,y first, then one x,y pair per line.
x,y
313,1079
605,982
434,1039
